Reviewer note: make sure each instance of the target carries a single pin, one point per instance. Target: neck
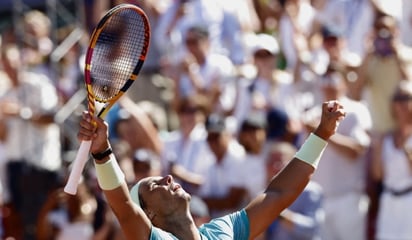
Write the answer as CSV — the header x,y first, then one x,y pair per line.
x,y
181,226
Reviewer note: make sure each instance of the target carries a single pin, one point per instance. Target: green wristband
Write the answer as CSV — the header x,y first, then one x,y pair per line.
x,y
109,174
311,150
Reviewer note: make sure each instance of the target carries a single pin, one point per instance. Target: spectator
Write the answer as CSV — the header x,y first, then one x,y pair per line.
x,y
302,219
203,72
271,88
224,29
392,166
185,150
387,62
33,147
297,18
353,17
345,202
252,136
224,188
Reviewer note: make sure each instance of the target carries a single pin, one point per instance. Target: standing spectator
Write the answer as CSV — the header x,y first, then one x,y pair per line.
x,y
353,17
37,43
224,29
392,165
33,148
387,62
297,18
224,189
271,88
345,202
302,219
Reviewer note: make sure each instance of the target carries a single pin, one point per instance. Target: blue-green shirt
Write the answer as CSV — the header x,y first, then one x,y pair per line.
x,y
229,227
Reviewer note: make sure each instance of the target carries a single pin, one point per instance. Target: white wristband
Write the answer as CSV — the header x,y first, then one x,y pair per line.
x,y
311,150
109,174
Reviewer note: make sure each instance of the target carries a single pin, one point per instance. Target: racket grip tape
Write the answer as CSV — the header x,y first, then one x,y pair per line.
x,y
77,169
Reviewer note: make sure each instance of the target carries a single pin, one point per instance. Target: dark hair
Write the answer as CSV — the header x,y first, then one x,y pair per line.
x,y
202,32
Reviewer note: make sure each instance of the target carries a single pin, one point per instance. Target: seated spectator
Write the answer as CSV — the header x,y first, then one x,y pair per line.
x,y
224,188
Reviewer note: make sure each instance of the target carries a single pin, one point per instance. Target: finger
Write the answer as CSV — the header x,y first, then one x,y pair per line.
x,y
331,105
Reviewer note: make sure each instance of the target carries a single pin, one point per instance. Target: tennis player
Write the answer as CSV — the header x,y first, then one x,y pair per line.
x,y
158,208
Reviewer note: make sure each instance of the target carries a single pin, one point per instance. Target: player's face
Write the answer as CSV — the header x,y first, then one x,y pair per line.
x,y
163,195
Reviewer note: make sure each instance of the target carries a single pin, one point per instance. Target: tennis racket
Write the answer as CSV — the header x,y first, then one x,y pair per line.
x,y
116,53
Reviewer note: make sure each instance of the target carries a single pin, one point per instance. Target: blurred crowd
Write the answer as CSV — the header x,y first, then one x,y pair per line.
x,y
228,92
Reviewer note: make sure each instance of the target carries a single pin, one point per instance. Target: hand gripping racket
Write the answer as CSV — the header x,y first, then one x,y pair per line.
x,y
116,53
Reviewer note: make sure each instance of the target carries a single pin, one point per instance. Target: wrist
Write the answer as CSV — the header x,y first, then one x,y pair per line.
x,y
322,134
109,174
102,155
311,150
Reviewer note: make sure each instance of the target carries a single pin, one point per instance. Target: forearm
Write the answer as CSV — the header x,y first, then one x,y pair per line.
x,y
131,217
347,146
286,186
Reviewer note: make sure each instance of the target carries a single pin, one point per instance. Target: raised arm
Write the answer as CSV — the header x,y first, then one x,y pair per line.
x,y
286,186
132,219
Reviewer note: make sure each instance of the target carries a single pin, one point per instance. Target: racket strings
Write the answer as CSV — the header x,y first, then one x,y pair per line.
x,y
116,53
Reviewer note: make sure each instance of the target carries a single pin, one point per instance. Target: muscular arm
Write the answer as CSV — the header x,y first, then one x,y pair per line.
x,y
286,186
132,219
281,192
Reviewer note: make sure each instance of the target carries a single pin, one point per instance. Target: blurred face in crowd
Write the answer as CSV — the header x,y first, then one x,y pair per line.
x,y
384,34
333,46
252,139
333,85
218,143
264,60
197,42
278,157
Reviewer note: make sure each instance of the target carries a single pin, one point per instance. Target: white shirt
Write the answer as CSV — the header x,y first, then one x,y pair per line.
x,y
220,177
305,18
336,173
192,154
353,17
38,144
255,174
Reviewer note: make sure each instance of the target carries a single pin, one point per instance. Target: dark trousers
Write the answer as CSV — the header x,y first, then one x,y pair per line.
x,y
29,187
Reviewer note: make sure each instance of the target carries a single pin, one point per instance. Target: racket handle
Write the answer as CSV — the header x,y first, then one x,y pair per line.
x,y
78,166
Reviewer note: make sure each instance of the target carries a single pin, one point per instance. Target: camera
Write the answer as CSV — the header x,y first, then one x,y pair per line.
x,y
383,43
